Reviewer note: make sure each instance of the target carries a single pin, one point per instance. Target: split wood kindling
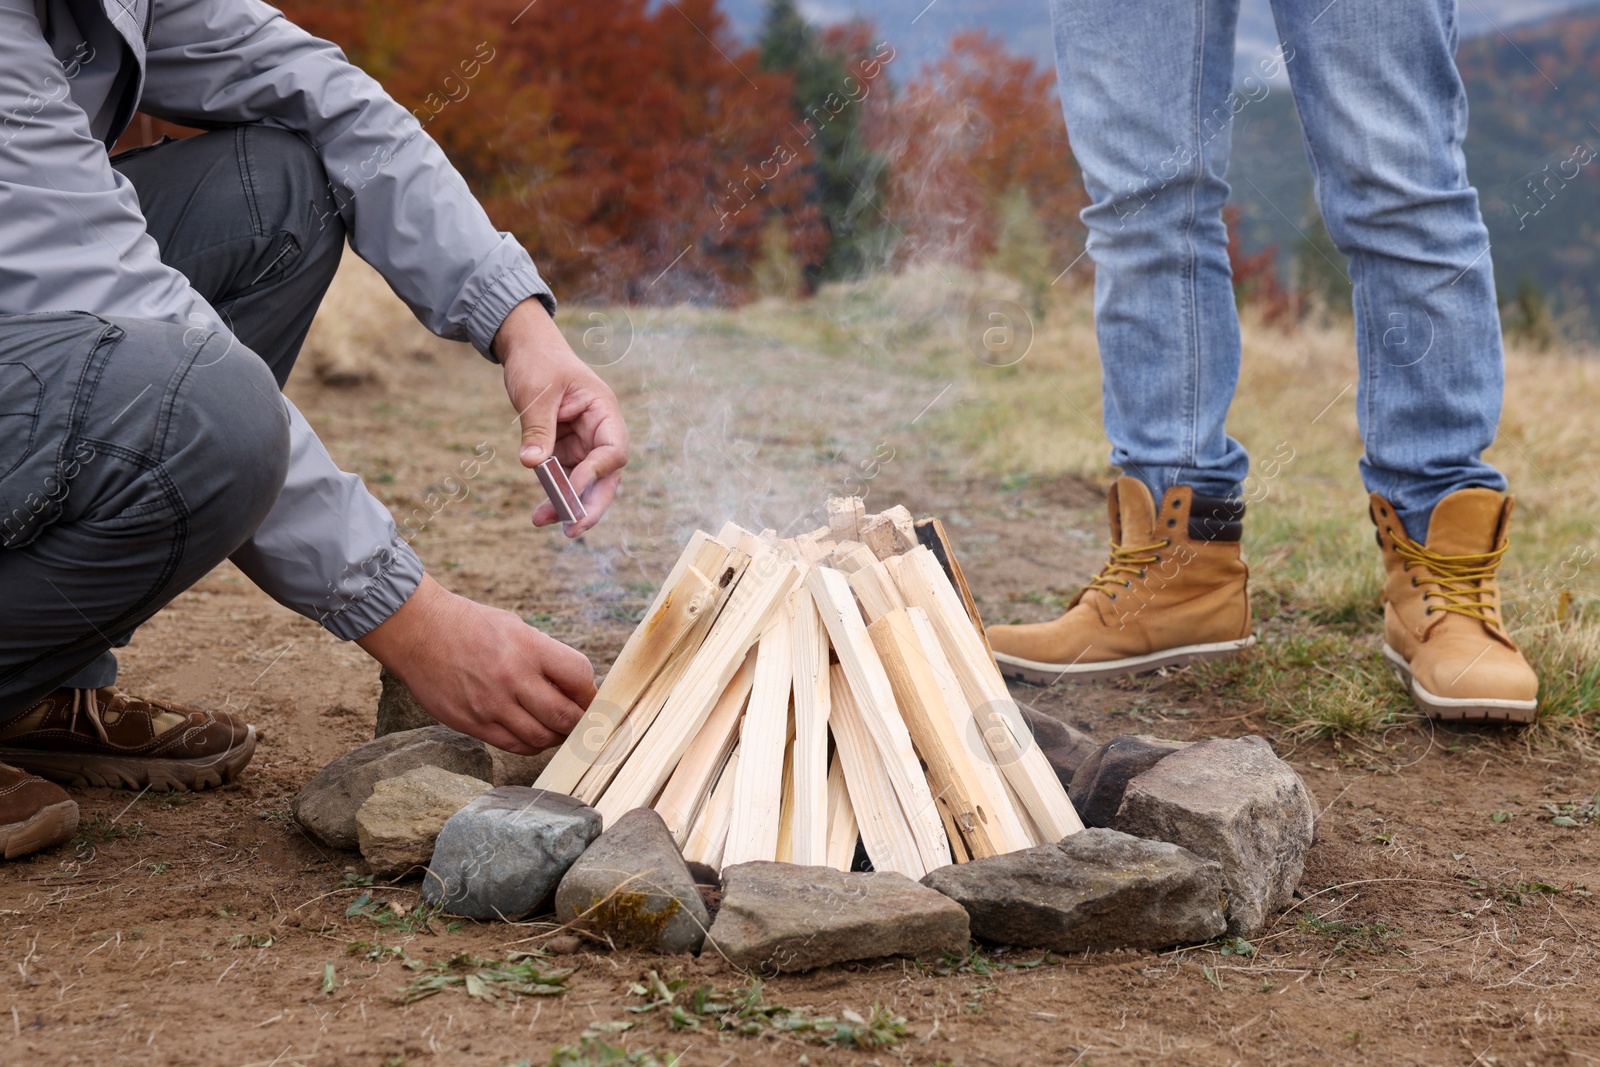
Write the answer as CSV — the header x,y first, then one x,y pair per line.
x,y
787,698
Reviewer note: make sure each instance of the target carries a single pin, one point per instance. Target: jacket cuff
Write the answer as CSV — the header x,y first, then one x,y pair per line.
x,y
503,292
384,582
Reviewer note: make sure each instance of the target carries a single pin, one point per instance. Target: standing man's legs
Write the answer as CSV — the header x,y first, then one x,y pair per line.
x,y
1145,88
1385,115
1145,91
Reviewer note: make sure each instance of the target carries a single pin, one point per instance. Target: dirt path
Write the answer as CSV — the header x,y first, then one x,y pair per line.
x,y
1445,918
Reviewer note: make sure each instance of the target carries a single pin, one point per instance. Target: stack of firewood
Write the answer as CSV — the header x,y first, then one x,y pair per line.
x,y
782,698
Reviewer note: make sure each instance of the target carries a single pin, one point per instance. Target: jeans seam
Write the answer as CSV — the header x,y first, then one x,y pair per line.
x,y
1192,445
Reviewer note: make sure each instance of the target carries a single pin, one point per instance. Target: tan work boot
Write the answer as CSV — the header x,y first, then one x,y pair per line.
x,y
1173,592
1442,627
102,737
34,814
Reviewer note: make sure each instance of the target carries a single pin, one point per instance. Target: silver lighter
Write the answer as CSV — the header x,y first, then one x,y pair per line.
x,y
569,508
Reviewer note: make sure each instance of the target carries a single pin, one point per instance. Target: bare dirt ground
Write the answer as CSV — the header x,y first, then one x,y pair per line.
x,y
1445,918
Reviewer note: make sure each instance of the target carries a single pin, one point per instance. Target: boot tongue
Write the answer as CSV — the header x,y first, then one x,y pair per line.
x,y
1466,523
1136,513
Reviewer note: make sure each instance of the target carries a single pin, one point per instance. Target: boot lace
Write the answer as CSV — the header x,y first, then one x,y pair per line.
x,y
87,702
1128,561
1463,581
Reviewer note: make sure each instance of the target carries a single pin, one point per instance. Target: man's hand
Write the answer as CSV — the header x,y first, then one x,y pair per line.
x,y
483,671
565,408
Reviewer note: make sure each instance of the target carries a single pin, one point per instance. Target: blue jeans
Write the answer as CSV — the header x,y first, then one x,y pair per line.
x,y
1147,92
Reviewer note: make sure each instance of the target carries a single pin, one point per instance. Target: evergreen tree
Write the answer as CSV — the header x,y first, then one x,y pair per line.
x,y
847,178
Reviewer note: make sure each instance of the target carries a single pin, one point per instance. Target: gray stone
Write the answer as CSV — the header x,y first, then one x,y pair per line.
x,y
781,917
1096,788
327,806
1097,890
398,823
1064,746
633,888
1237,803
499,857
397,709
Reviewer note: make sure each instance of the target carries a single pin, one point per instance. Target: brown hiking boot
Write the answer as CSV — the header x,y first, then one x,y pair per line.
x,y
102,737
34,813
1442,627
1173,592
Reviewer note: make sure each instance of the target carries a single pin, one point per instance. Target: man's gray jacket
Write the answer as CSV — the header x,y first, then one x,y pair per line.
x,y
72,73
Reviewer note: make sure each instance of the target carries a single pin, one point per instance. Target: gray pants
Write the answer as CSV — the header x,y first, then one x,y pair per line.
x,y
136,455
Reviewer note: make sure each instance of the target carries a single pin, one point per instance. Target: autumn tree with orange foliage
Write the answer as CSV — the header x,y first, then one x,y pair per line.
x,y
605,136
975,127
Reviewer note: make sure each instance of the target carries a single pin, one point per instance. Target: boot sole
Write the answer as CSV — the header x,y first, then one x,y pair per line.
x,y
1460,709
1036,673
132,772
46,827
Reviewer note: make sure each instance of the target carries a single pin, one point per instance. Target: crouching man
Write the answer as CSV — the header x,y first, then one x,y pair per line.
x,y
151,308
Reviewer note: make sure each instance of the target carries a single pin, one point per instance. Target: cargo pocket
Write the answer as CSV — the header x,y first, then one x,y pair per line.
x,y
48,364
21,397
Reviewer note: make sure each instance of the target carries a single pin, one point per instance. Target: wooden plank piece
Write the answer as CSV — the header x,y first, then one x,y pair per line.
x,y
958,845
845,515
890,532
695,775
758,792
875,699
985,821
930,533
851,556
786,811
685,596
637,723
759,591
843,834
710,830
1020,760
809,785
885,832
876,591
1014,819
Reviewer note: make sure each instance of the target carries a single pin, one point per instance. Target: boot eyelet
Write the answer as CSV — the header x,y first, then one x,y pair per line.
x,y
1172,522
1428,611
1111,596
1176,504
1141,572
1413,580
1157,558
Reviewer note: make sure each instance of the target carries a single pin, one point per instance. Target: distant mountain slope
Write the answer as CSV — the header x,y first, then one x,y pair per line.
x,y
1533,89
1534,104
